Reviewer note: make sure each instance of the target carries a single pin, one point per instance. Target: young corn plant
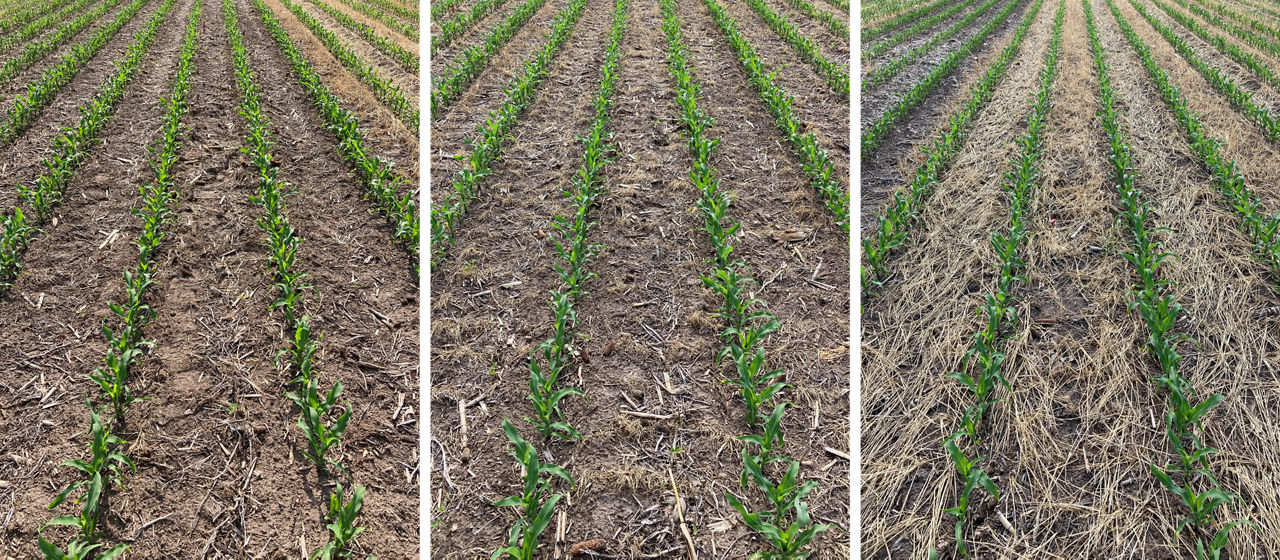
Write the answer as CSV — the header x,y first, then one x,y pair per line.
x,y
316,408
536,503
787,538
769,441
973,477
342,524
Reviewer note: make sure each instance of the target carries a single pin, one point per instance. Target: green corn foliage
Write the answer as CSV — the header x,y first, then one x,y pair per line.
x,y
820,169
786,496
11,37
875,135
41,91
383,89
459,73
1248,60
70,150
17,14
536,502
438,9
827,19
386,46
455,27
406,29
870,11
1250,38
406,11
891,235
1160,310
1258,27
899,21
342,524
884,73
35,51
842,4
880,47
1240,99
486,148
836,76
382,185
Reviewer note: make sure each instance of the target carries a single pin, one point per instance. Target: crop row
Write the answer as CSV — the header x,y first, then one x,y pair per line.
x,y
1240,99
486,149
813,159
897,22
459,73
570,237
103,469
787,525
836,76
875,135
869,11
980,369
402,11
11,38
1160,311
885,73
1248,60
1260,43
439,8
903,213
386,46
314,406
453,28
1257,26
386,92
881,47
827,19
23,15
377,175
37,50
40,93
410,31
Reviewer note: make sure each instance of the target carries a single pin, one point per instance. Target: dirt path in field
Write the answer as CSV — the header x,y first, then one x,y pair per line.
x,y
365,303
21,162
1234,354
381,28
384,134
450,132
52,317
407,81
822,110
919,39
919,328
894,163
831,45
772,195
475,34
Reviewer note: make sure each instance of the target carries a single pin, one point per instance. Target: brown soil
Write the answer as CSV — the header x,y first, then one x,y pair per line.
x,y
221,471
645,320
894,163
1069,446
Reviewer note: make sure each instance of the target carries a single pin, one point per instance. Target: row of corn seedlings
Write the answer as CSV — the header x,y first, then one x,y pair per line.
x,y
1160,310
40,93
885,73
440,7
32,29
1257,26
901,20
787,525
980,369
104,467
1255,6
870,11
1250,38
836,76
70,151
1240,99
827,19
891,234
820,169
35,51
570,236
536,501
459,73
406,11
1261,228
20,14
1246,59
455,27
881,47
386,92
386,46
410,31
378,177
316,408
875,135
487,146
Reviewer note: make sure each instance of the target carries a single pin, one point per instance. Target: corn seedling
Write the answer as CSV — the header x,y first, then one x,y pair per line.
x,y
342,524
769,441
536,503
973,477
787,539
903,213
102,470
